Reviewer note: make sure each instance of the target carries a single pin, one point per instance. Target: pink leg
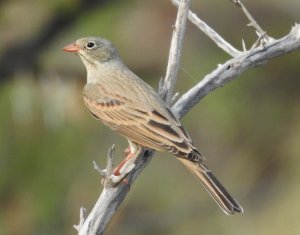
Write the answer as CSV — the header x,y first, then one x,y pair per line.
x,y
127,165
129,155
127,151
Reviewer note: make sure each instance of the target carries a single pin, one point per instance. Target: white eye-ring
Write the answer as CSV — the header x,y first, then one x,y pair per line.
x,y
91,45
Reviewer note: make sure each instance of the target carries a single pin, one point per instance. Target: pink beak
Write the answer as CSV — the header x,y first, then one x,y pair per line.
x,y
71,48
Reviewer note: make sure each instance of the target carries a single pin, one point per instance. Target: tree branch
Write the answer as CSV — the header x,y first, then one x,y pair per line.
x,y
111,197
212,34
166,88
252,22
233,67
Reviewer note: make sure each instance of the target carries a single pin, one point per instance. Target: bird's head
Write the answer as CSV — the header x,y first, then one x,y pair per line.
x,y
93,50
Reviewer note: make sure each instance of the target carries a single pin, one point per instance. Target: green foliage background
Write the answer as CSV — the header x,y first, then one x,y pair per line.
x,y
249,130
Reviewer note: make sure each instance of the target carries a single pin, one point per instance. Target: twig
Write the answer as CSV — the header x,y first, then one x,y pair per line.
x,y
232,68
99,170
174,98
166,90
212,34
108,171
82,219
261,33
110,167
244,46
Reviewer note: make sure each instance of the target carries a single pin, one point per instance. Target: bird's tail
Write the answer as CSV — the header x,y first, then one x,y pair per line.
x,y
213,186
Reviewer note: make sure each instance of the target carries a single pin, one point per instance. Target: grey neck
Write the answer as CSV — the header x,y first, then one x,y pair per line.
x,y
100,70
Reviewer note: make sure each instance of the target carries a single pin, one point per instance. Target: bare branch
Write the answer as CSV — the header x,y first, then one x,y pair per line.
x,y
232,68
110,165
166,91
99,170
82,219
111,198
174,98
244,46
261,33
212,34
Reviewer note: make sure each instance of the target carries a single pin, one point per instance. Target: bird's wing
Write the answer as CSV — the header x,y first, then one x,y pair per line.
x,y
140,123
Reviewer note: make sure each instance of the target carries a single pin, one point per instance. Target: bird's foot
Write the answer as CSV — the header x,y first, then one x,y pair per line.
x,y
119,176
111,177
127,151
126,166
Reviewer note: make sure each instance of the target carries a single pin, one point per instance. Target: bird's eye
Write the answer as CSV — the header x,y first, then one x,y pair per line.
x,y
90,45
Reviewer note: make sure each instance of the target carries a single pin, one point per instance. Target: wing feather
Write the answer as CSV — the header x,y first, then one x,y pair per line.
x,y
148,126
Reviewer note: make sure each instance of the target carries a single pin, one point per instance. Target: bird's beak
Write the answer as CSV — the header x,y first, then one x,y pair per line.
x,y
71,48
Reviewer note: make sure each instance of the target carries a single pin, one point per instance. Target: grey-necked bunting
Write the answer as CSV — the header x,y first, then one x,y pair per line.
x,y
125,103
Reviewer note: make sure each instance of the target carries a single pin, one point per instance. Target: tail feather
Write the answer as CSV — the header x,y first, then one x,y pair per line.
x,y
226,202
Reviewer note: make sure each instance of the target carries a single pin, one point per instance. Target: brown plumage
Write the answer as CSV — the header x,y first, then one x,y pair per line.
x,y
129,106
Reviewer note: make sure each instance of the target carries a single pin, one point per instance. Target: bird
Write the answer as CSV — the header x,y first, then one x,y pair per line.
x,y
129,106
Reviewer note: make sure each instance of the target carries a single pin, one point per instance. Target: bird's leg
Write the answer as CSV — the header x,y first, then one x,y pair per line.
x,y
124,163
127,151
127,165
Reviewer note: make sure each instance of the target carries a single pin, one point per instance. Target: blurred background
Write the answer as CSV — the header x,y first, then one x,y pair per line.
x,y
249,130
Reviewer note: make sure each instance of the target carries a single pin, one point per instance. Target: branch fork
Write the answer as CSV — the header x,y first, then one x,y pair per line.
x,y
107,173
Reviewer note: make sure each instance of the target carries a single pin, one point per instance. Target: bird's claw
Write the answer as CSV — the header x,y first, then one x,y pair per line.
x,y
110,177
118,177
